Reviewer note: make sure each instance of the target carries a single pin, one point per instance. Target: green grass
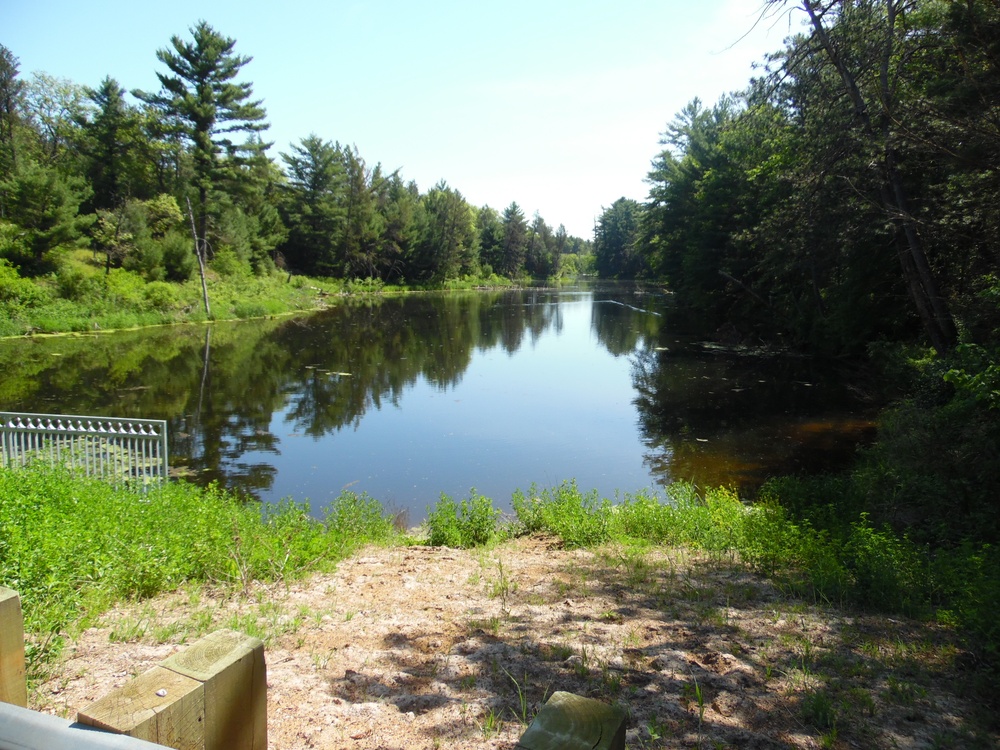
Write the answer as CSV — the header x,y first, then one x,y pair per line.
x,y
72,546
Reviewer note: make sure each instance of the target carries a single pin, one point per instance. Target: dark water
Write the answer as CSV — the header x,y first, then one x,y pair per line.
x,y
407,398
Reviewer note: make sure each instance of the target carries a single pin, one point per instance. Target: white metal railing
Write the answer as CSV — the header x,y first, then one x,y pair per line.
x,y
119,450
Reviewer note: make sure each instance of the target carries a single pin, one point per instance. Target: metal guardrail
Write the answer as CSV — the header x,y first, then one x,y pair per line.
x,y
119,450
22,729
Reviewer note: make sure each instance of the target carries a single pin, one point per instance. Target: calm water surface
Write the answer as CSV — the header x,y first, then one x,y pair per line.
x,y
407,398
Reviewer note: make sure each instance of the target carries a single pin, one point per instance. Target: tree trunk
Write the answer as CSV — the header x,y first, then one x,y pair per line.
x,y
921,284
199,251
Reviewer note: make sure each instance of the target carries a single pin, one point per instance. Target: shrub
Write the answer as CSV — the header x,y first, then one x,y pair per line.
x,y
177,251
579,520
161,296
17,292
472,523
887,571
227,263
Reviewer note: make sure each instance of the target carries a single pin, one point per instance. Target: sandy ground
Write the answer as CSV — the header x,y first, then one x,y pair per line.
x,y
422,647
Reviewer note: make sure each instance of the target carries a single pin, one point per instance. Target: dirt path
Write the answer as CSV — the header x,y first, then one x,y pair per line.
x,y
422,647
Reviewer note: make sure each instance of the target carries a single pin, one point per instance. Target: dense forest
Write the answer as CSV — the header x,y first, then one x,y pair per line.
x,y
136,177
847,204
848,196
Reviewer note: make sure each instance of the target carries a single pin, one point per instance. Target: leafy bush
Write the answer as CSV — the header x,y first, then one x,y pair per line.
x,y
227,263
887,571
355,520
579,520
16,292
160,295
472,523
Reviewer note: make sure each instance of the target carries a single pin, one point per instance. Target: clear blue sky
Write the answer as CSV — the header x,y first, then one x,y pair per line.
x,y
555,104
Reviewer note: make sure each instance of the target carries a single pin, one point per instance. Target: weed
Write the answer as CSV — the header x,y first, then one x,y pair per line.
x,y
320,658
818,710
492,724
502,587
129,630
611,680
167,633
522,698
903,693
201,622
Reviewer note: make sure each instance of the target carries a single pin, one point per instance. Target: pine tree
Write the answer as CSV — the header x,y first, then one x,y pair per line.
x,y
207,107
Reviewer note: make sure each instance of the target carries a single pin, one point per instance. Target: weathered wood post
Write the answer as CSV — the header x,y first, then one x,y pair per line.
x,y
571,722
231,666
211,696
13,687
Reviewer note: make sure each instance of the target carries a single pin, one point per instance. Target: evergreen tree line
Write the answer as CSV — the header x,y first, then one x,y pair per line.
x,y
848,196
139,178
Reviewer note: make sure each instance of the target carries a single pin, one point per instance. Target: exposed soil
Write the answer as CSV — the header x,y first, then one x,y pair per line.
x,y
421,647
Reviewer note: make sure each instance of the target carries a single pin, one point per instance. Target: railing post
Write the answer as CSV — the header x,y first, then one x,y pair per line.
x,y
13,688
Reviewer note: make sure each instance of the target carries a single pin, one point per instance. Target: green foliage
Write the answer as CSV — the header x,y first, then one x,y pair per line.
x,y
580,520
355,520
68,543
228,263
45,205
887,571
175,254
16,292
256,309
161,296
615,236
471,523
976,375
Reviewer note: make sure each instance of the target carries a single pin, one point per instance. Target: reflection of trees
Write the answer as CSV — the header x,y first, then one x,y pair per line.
x,y
359,356
620,320
716,417
219,388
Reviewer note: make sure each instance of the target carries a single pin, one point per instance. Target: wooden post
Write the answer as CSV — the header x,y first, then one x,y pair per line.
x,y
231,666
13,687
211,696
159,706
571,722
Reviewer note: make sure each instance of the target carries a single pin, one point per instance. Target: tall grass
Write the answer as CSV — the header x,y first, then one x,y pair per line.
x,y
71,545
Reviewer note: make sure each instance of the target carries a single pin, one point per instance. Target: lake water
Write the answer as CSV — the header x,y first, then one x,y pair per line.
x,y
406,398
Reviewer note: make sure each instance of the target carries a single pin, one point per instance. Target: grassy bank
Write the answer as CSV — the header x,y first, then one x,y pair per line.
x,y
845,562
84,296
73,547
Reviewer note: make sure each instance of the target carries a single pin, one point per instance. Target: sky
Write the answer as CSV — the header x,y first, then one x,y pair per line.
x,y
557,106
